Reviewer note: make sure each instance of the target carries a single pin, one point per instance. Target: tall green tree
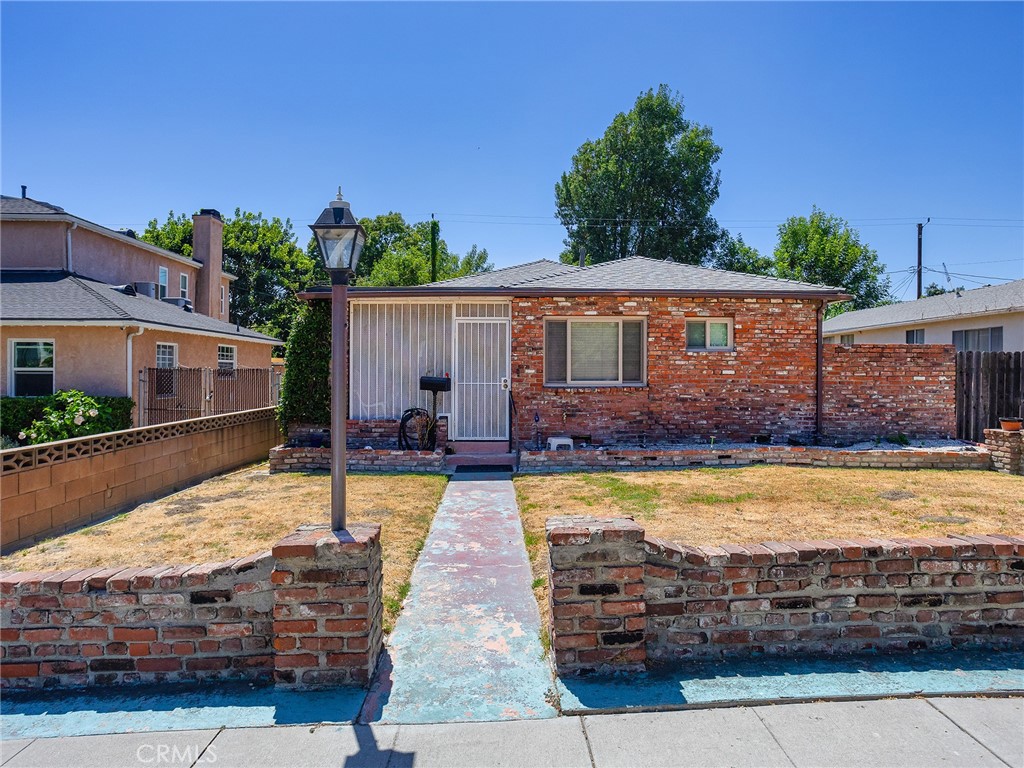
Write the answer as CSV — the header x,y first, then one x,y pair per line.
x,y
398,253
736,256
824,249
645,188
263,253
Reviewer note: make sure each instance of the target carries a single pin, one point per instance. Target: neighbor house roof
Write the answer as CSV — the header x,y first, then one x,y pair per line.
x,y
60,298
635,274
994,299
26,209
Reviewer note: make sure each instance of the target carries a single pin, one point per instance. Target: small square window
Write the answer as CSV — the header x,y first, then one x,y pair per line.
x,y
166,373
709,334
846,338
226,360
915,336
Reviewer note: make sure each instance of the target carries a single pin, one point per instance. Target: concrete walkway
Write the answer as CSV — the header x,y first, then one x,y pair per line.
x,y
466,646
904,732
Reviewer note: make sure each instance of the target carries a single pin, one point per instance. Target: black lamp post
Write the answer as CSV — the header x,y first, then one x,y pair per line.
x,y
340,239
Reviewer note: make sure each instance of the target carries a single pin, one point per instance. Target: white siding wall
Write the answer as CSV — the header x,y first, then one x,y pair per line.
x,y
942,332
392,345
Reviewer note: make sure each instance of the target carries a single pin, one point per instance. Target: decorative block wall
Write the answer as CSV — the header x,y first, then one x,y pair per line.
x,y
54,487
307,615
782,598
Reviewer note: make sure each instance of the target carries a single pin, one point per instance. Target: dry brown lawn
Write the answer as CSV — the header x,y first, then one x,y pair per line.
x,y
771,503
243,513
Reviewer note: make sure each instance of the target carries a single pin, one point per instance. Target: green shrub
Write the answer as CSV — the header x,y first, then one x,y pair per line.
x,y
306,390
43,419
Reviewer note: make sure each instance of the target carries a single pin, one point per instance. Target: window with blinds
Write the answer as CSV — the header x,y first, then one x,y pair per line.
x,y
595,352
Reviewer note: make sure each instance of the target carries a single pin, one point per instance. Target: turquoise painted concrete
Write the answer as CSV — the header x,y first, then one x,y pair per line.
x,y
466,646
767,679
170,708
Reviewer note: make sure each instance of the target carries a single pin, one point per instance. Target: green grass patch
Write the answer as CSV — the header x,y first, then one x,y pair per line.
x,y
715,498
641,500
539,582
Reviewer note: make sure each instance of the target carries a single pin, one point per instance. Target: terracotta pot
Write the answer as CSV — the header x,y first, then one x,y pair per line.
x,y
1011,424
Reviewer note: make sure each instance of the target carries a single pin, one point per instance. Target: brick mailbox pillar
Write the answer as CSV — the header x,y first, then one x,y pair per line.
x,y
328,609
597,594
1007,449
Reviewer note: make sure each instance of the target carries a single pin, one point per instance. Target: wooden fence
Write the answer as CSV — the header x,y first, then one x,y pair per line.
x,y
988,385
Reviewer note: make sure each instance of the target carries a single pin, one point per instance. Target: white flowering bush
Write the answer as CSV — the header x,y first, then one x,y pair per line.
x,y
70,414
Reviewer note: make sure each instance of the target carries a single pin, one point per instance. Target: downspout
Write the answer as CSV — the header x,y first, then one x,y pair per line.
x,y
69,261
819,375
129,366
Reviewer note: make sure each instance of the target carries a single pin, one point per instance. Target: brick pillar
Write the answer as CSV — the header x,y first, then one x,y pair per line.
x,y
597,594
328,609
1007,449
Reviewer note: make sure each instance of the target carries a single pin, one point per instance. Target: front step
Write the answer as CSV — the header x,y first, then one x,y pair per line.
x,y
481,459
478,447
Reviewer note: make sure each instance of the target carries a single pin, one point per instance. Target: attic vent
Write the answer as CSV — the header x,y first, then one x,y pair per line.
x,y
127,290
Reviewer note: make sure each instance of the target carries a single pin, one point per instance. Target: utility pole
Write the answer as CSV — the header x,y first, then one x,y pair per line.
x,y
920,238
434,226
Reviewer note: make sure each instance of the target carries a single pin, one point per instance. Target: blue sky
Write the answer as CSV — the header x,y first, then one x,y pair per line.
x,y
881,113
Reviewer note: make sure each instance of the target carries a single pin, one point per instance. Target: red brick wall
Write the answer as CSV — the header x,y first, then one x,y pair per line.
x,y
620,599
766,386
308,615
874,390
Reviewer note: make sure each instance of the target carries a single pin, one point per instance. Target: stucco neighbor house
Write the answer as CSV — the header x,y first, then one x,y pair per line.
x,y
86,307
989,319
628,351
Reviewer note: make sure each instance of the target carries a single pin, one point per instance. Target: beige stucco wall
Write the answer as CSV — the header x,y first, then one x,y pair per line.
x,y
33,245
89,359
93,359
942,332
111,261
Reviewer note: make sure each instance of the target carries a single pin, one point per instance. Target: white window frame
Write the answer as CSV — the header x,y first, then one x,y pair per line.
x,y
173,389
229,371
915,332
569,381
162,278
222,302
11,369
707,334
183,285
846,339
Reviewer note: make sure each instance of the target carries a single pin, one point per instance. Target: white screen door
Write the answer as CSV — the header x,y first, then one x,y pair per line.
x,y
480,409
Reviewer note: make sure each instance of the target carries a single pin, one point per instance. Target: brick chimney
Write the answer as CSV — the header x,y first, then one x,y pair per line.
x,y
208,247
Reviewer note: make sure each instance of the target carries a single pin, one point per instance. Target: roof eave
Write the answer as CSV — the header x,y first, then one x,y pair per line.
x,y
130,321
324,292
921,320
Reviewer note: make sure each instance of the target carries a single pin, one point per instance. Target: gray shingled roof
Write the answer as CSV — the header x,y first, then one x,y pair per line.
x,y
509,276
635,274
1008,297
26,205
60,297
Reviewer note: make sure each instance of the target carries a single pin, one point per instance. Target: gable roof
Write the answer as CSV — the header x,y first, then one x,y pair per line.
x,y
635,274
26,205
1008,297
61,298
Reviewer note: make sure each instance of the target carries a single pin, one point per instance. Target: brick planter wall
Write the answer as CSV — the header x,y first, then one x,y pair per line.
x,y
313,606
380,434
792,598
705,456
873,390
54,487
283,459
1007,450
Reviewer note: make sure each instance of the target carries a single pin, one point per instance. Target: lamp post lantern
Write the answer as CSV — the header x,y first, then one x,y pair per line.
x,y
340,239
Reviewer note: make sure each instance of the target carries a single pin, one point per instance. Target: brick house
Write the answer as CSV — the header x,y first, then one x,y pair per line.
x,y
630,352
86,307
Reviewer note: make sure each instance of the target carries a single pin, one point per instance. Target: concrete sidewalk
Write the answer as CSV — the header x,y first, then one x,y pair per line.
x,y
888,732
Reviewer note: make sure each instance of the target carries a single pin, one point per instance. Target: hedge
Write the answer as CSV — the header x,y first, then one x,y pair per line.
x,y
17,413
306,389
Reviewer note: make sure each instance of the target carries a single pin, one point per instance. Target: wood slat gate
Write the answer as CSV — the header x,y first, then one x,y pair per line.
x,y
988,385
